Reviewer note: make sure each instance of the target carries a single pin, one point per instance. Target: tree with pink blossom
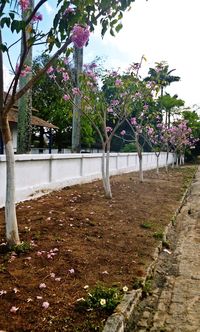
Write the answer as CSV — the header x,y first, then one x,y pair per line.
x,y
72,24
180,139
158,136
105,111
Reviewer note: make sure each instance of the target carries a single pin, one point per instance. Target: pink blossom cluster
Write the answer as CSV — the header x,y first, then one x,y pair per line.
x,y
118,82
70,10
133,121
51,71
114,102
25,70
80,35
123,132
66,97
37,17
24,4
109,129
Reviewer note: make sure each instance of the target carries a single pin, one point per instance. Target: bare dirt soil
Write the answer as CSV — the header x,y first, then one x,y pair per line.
x,y
79,238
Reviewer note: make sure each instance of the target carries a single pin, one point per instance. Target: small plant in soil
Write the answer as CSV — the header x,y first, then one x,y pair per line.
x,y
146,225
137,283
100,297
165,244
21,248
2,268
158,236
147,288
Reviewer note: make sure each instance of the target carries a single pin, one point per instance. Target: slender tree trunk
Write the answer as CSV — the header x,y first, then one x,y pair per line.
x,y
12,235
103,165
173,162
139,152
141,175
157,163
107,178
76,122
167,158
24,126
177,158
105,169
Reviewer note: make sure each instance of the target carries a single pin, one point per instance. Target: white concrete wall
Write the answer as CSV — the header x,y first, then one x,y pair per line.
x,y
36,174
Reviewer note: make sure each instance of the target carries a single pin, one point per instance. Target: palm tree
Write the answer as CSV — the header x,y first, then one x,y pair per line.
x,y
161,75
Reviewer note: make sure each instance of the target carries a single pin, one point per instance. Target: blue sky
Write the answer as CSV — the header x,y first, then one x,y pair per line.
x,y
159,29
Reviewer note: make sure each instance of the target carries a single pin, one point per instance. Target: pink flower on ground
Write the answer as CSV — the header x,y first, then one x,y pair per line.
x,y
16,290
52,275
71,271
45,305
80,35
123,132
66,97
57,279
42,285
3,292
14,309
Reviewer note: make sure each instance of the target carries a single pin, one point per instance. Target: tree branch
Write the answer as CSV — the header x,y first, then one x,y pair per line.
x,y
35,78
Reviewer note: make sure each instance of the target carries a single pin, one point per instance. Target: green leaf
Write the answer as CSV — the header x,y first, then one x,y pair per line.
x,y
3,48
112,32
118,27
17,26
5,20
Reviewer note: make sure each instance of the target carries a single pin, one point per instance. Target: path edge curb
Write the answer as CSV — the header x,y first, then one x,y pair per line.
x,y
121,318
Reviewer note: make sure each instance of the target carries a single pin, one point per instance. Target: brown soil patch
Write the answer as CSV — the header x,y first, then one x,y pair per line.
x,y
96,240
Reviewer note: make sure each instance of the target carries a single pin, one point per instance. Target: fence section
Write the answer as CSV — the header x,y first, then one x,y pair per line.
x,y
36,174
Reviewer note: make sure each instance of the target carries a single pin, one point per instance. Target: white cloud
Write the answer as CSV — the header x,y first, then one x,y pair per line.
x,y
161,30
48,8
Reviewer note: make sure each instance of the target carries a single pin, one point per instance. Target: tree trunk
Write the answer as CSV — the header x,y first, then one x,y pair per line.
x,y
167,158
157,164
103,166
12,235
141,176
107,179
24,126
177,157
76,122
105,170
139,152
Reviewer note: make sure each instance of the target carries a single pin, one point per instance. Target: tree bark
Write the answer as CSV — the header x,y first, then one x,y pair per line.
x,y
12,234
76,122
139,152
157,163
167,158
107,179
141,176
24,126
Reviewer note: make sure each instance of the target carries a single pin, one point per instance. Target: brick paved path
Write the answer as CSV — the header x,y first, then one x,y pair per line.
x,y
174,305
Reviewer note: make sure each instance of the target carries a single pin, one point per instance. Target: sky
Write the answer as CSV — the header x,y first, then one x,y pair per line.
x,y
161,30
